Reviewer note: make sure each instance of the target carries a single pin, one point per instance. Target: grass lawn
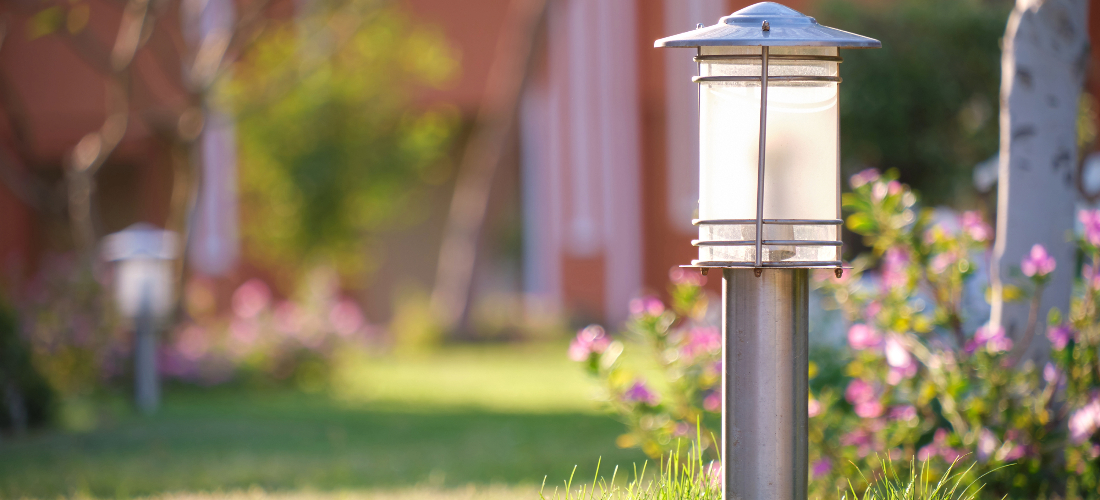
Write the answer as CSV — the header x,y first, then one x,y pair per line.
x,y
486,422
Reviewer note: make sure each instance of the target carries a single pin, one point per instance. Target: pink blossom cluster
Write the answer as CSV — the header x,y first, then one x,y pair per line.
x,y
1060,336
974,226
1091,277
902,364
990,447
209,349
994,341
639,392
895,268
681,276
864,177
1038,262
939,447
862,336
863,438
1090,219
864,398
647,306
701,341
591,340
1084,422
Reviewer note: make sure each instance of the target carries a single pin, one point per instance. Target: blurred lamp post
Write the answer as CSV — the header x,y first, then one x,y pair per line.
x,y
143,256
769,210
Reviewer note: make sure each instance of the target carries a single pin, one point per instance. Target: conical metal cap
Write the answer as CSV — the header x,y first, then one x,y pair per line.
x,y
768,24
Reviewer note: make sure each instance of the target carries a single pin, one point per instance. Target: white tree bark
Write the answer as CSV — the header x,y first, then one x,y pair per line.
x,y
1046,47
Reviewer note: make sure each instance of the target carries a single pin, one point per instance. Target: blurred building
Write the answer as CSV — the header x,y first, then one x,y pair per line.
x,y
592,206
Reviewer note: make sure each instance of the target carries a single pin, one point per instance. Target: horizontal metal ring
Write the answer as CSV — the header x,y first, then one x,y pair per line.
x,y
785,57
787,222
786,243
723,263
800,78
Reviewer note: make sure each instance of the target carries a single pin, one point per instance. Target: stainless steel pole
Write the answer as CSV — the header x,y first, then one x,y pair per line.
x,y
765,382
146,378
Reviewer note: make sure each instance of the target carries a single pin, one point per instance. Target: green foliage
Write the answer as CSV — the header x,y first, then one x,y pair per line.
x,y
689,479
919,484
923,378
926,102
24,393
332,149
678,345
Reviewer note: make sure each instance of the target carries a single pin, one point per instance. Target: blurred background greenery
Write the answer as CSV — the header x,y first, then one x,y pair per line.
x,y
320,363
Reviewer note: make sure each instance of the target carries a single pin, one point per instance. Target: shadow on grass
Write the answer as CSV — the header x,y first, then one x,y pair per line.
x,y
286,441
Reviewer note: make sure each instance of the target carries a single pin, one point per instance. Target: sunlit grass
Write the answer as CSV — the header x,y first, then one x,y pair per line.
x,y
508,379
424,426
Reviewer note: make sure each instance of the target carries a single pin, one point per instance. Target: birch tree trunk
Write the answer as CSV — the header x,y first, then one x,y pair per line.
x,y
1046,48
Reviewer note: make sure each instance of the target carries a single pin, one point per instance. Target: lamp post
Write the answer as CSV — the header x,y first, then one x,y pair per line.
x,y
143,256
769,211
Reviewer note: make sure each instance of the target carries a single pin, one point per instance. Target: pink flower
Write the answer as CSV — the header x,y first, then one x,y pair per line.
x,y
251,298
193,343
939,447
976,227
942,261
648,306
904,413
821,467
713,402
1038,263
859,391
863,177
869,409
993,341
713,474
346,317
289,318
861,336
987,444
1091,277
1060,336
1085,422
813,408
590,340
700,341
879,191
681,276
1091,220
895,267
897,355
1051,374
640,393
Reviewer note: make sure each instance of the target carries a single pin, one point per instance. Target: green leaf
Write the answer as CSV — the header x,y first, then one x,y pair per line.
x,y
861,223
45,22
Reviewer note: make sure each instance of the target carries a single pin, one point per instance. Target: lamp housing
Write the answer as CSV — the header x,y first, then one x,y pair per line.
x,y
769,138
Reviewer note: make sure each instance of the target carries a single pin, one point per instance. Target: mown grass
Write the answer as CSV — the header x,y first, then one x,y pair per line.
x,y
485,421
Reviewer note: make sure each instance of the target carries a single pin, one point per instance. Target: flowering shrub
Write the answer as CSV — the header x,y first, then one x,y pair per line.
x,y
662,416
924,375
921,383
262,338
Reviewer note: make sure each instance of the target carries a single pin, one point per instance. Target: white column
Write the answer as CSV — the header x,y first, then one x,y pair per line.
x,y
214,246
541,218
682,110
616,88
1043,68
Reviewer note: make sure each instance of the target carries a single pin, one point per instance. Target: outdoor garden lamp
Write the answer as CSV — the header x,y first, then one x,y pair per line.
x,y
769,210
769,177
143,255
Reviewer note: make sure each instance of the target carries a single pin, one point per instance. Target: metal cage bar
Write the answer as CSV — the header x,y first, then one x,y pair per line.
x,y
763,143
793,222
791,78
780,57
